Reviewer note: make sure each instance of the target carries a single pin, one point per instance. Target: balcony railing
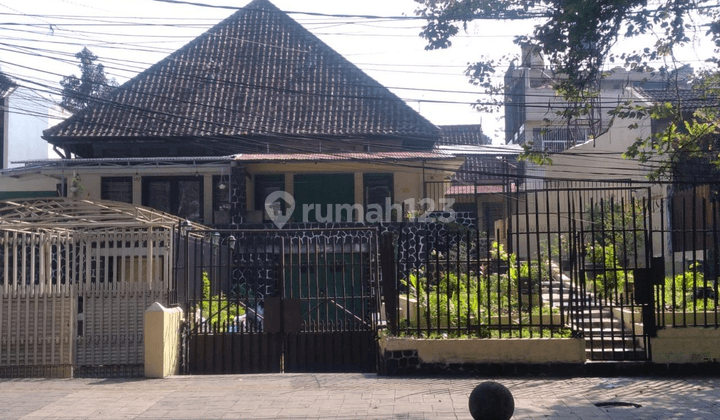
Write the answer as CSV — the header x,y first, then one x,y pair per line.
x,y
556,140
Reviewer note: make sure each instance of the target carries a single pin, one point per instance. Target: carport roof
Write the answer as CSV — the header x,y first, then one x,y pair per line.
x,y
69,214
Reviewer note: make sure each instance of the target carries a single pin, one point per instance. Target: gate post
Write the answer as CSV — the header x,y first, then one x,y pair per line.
x,y
389,279
645,281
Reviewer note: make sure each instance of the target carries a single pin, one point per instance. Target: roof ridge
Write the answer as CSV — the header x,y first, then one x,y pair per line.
x,y
256,72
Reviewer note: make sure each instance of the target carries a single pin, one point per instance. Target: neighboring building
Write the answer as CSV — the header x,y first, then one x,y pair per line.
x,y
533,108
480,185
21,124
22,120
254,105
685,204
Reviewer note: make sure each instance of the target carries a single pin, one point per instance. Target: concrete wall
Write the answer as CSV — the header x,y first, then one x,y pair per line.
x,y
162,341
30,183
686,345
524,350
601,159
25,122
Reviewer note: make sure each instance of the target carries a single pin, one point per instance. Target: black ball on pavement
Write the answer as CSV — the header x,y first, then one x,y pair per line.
x,y
491,401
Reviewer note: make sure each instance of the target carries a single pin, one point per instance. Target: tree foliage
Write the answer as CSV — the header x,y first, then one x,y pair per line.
x,y
577,39
686,148
92,85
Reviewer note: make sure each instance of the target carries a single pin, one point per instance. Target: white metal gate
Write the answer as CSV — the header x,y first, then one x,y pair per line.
x,y
73,302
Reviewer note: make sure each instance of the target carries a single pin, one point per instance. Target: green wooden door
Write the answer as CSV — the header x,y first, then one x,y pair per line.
x,y
323,192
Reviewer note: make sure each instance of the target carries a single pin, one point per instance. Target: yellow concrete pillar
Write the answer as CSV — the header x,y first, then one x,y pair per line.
x,y
358,178
162,341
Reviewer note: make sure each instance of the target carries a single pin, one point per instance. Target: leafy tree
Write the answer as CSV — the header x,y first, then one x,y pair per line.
x,y
687,147
92,84
577,39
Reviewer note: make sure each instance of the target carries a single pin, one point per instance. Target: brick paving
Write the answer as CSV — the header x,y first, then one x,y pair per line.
x,y
351,396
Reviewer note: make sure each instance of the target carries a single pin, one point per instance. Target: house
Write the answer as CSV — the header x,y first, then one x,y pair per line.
x,y
254,105
22,120
479,187
533,108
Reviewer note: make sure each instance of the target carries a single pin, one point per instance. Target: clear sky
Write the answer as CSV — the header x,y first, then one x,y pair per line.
x,y
40,37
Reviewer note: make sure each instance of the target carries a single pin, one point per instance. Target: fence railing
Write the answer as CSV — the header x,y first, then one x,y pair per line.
x,y
687,237
600,237
331,274
456,285
272,300
76,299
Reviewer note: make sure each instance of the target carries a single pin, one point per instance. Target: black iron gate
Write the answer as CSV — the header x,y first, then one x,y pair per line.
x,y
571,261
264,301
600,239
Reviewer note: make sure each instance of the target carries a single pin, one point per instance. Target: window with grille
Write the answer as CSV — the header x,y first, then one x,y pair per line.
x,y
556,140
117,189
181,196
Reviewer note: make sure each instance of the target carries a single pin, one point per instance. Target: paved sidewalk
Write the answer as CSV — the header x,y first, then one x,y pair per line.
x,y
350,396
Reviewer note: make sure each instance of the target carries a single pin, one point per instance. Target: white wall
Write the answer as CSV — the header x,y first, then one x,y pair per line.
x,y
601,159
27,118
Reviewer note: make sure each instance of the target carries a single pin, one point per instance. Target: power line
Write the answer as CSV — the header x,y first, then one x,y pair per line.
x,y
422,100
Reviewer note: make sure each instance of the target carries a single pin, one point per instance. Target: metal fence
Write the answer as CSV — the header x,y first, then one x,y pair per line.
x,y
563,266
610,262
72,303
272,300
463,287
687,238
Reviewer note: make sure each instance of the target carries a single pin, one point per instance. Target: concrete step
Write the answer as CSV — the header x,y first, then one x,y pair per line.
x,y
606,332
598,341
615,354
589,324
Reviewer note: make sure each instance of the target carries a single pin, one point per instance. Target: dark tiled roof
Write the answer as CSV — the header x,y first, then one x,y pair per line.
x,y
483,168
258,72
6,84
466,135
689,99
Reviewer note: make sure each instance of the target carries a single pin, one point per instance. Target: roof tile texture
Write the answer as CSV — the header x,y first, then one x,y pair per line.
x,y
687,99
464,134
258,72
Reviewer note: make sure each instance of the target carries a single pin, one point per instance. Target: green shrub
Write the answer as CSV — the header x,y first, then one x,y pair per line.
x,y
219,313
680,290
610,276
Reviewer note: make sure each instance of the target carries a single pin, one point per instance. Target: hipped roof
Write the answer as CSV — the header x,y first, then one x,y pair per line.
x,y
256,73
686,99
463,134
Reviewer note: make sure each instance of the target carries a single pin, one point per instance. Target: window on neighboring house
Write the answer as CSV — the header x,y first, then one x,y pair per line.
x,y
556,140
181,196
264,186
378,188
117,189
221,200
